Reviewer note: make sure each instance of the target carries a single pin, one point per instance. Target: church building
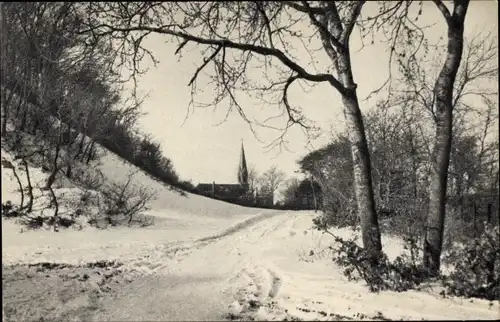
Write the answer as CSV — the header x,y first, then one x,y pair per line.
x,y
240,192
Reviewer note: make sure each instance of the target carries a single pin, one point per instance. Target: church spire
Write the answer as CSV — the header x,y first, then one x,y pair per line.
x,y
242,169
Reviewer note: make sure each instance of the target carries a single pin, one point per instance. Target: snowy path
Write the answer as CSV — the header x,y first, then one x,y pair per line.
x,y
203,255
256,265
193,280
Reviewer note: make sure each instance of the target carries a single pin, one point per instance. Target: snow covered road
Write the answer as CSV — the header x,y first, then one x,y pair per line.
x,y
205,259
263,268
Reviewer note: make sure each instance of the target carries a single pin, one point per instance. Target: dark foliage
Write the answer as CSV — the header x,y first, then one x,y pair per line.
x,y
476,267
401,274
60,221
9,211
306,195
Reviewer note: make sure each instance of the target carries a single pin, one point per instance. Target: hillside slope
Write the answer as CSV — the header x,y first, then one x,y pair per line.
x,y
179,216
117,169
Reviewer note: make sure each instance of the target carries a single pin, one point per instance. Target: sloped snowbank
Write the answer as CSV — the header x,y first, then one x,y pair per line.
x,y
179,217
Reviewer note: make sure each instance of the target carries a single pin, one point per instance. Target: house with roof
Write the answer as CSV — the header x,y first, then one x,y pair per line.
x,y
240,192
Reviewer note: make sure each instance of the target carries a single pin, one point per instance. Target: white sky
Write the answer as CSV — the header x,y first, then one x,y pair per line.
x,y
203,151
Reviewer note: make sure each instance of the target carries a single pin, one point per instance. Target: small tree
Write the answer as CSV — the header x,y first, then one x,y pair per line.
x,y
271,180
289,192
303,194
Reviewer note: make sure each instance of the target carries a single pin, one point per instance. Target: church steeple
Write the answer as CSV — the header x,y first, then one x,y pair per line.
x,y
242,169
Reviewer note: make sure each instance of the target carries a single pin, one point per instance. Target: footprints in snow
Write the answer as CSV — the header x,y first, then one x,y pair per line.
x,y
258,293
275,284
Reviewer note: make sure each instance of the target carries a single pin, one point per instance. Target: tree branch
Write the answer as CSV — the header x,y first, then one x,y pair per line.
x,y
444,10
323,29
205,62
346,34
308,9
289,109
264,51
266,21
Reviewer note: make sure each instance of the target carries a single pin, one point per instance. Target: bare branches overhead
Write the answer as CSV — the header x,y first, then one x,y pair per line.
x,y
235,38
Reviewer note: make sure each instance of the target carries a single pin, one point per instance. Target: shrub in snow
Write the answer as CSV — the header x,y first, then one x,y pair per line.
x,y
65,222
476,267
124,203
403,273
8,209
34,222
88,178
12,211
332,217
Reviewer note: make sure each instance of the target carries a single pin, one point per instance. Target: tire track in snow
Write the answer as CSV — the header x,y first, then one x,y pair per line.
x,y
176,251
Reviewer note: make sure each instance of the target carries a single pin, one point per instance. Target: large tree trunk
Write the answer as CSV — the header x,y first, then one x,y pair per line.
x,y
443,91
363,185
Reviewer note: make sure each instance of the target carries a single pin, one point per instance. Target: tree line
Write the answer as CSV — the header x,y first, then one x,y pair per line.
x,y
58,87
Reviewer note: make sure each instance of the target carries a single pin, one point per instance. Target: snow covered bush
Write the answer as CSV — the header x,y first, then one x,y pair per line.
x,y
403,273
476,267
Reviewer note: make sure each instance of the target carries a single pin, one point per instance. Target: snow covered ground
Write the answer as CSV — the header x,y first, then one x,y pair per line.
x,y
205,258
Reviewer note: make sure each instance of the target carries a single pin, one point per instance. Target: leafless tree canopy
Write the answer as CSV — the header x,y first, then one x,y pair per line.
x,y
281,39
271,179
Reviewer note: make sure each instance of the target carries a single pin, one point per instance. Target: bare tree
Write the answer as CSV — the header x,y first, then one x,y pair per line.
x,y
289,191
124,202
443,95
236,37
252,178
271,179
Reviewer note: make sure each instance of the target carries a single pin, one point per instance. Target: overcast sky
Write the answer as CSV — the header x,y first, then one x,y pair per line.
x,y
203,151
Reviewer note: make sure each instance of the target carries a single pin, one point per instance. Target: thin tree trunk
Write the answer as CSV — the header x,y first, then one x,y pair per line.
x,y
18,108
52,177
91,152
30,187
443,91
5,106
314,195
54,203
69,172
21,189
80,147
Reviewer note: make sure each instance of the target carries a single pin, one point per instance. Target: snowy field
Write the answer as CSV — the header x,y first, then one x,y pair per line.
x,y
204,259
